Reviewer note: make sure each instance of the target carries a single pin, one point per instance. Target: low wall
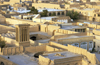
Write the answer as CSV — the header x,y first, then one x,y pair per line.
x,y
52,49
67,35
56,6
34,28
43,60
5,29
10,41
19,21
64,31
12,50
33,49
58,45
96,32
91,57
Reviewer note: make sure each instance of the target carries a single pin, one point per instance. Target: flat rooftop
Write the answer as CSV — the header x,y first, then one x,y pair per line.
x,y
22,59
64,54
70,37
85,9
68,27
13,35
48,18
24,11
49,10
89,9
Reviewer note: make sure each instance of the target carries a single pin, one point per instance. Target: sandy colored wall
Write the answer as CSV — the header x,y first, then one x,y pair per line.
x,y
12,50
10,41
58,45
52,49
46,5
44,61
2,19
67,35
42,37
70,61
91,57
43,28
33,49
51,29
64,32
96,32
19,21
5,29
76,40
97,43
34,28
48,29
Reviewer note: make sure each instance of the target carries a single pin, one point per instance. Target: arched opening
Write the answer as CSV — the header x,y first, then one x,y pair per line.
x,y
90,45
49,14
54,32
2,63
93,19
37,54
76,44
33,38
58,13
84,45
62,13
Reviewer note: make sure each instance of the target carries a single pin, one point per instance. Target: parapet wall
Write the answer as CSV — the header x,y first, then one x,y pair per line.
x,y
5,29
10,41
59,45
91,57
67,35
64,32
19,21
33,49
45,5
11,50
89,25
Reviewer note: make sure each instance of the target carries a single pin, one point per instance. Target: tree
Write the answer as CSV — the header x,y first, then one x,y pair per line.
x,y
33,10
44,13
73,15
2,43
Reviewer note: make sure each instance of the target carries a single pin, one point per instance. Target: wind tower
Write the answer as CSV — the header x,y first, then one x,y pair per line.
x,y
22,34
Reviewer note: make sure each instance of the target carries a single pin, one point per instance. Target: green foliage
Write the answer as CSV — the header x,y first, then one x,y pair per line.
x,y
66,3
33,10
53,14
44,13
73,15
2,43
